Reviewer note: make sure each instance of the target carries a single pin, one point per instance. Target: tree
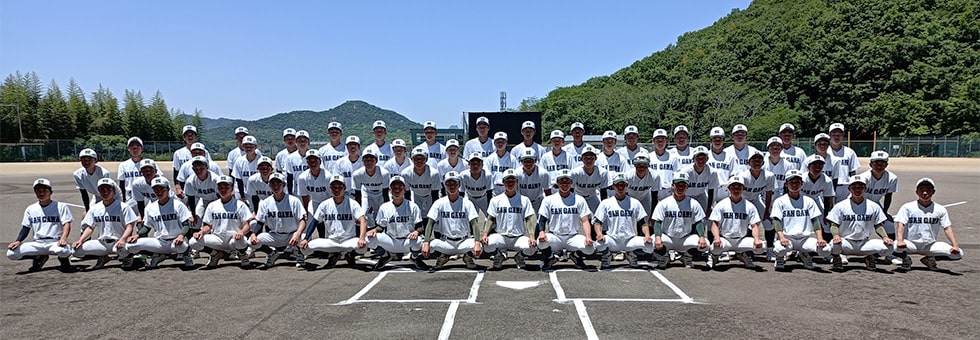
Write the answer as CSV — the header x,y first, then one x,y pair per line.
x,y
108,119
79,109
134,114
158,117
56,121
12,92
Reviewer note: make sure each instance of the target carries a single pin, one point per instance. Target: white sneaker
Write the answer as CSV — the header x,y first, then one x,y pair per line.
x,y
619,257
843,259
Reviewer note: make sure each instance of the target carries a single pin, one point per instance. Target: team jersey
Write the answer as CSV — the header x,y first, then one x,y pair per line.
x,y
474,145
89,181
833,169
475,187
683,157
371,185
678,217
778,170
445,167
422,186
643,188
317,187
795,214
166,220
453,217
587,185
879,187
203,189
700,182
183,155
564,214
575,153
398,220
628,154
384,152
534,184
741,157
281,163
723,165
235,154
255,186
142,191
619,217
128,171
664,165
281,217
553,163
795,156
296,164
857,220
224,217
614,163
848,161
509,213
394,169
187,171
519,149
340,220
346,168
329,153
47,222
818,189
495,165
756,187
436,152
245,168
923,223
734,219
110,221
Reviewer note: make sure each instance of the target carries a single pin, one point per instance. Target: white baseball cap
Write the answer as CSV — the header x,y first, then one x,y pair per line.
x,y
106,181
717,132
289,132
452,143
277,176
420,151
475,156
334,125
312,153
879,156
631,129
813,158
302,133
660,133
925,180
353,139
739,127
160,182
577,125
146,162
820,136
619,177
786,126
589,149
396,178
500,135
681,177
88,153
859,179
134,139
609,134
699,150
241,129
398,143
774,140
369,152
528,153
429,124
736,179
793,173
451,176
836,126
680,128
42,181
379,124
249,140
199,159
266,160
189,128
224,179
198,146
337,178
527,125
482,120
756,153
641,158
509,173
563,173
557,134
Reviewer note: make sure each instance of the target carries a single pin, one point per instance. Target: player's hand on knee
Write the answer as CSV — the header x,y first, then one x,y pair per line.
x,y
425,249
304,244
784,242
132,239
954,250
413,235
484,239
532,243
254,240
13,245
658,244
717,242
361,243
120,244
76,244
477,250
900,244
836,239
371,233
179,240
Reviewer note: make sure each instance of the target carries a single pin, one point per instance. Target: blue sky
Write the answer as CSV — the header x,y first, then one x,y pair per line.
x,y
428,60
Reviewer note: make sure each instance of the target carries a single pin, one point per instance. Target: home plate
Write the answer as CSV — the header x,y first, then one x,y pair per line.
x,y
518,285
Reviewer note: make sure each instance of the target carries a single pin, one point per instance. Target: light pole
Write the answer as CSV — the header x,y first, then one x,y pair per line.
x,y
19,127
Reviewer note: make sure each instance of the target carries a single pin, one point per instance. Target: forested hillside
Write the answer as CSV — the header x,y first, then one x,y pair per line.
x,y
898,67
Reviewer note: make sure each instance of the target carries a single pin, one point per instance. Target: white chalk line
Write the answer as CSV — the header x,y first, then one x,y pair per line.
x,y
447,323
583,316
955,204
678,291
364,290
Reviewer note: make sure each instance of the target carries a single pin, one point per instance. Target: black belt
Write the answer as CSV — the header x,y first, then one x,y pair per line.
x,y
509,236
46,238
454,239
401,238
284,233
109,240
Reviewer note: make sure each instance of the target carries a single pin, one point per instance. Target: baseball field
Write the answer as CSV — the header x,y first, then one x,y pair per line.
x,y
400,303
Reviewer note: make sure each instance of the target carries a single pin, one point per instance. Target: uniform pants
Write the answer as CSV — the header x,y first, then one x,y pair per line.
x,y
805,243
274,240
571,242
446,246
38,248
680,244
620,244
224,242
735,244
861,247
394,245
100,247
329,245
501,242
937,248
156,246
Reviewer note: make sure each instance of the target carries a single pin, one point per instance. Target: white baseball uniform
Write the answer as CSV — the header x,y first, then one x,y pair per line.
x,y
818,189
849,164
394,168
340,221
741,156
166,220
756,189
678,219
518,149
564,215
436,152
316,187
422,185
245,168
533,185
346,168
628,155
187,171
398,221
588,185
495,164
127,172
110,222
923,224
552,163
452,220
281,219
511,233
372,191
664,165
47,223
878,188
89,181
474,145
575,153
461,166
795,156
796,216
856,226
683,157
384,152
700,183
619,220
330,154
476,188
643,189
226,219
779,171
735,221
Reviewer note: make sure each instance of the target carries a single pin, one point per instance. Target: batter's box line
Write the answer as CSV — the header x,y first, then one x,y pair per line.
x,y
471,299
562,298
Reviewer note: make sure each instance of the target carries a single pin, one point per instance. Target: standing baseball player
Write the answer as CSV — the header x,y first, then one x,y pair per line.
x,y
796,218
919,223
453,161
721,162
499,161
129,170
184,154
285,222
533,181
482,143
435,151
621,215
170,220
511,219
631,135
115,222
528,130
681,150
845,156
476,184
643,184
399,162
881,183
383,149
313,187
247,164
575,148
370,185
563,223
345,223
50,221
590,180
820,188
226,226
335,148
398,227
740,149
609,158
794,155
678,224
296,162
852,223
289,138
732,218
347,165
240,133
557,158
257,189
702,180
87,177
455,219
663,164
422,179
759,185
776,165
142,189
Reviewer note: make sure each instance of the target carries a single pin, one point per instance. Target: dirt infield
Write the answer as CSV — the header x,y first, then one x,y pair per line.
x,y
353,302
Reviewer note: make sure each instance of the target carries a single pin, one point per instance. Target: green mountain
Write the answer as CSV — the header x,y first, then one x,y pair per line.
x,y
356,117
895,67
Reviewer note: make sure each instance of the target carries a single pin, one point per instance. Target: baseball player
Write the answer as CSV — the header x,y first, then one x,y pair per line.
x,y
681,150
184,154
851,225
370,185
335,148
533,181
129,169
142,189
702,180
313,187
87,177
797,218
399,162
187,169
453,161
499,161
422,179
563,223
820,188
881,183
296,163
257,185
226,226
398,227
759,185
643,184
528,131
776,165
457,225
383,149
575,148
732,218
115,222
435,150
240,133
288,137
663,163
831,167
678,224
590,180
845,156
246,164
631,135
170,220
721,162
609,158
919,223
620,215
558,158
477,184
285,222
201,189
794,155
347,165
50,221
482,143
740,149
345,223
511,219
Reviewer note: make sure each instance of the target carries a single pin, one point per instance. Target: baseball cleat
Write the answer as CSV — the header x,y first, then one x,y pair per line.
x,y
382,261
780,264
770,256
519,259
468,260
189,260
605,262
577,260
894,259
216,256
906,263
836,263
38,263
498,261
807,259
155,261
871,262
687,260
351,259
101,262
746,259
619,257
419,262
843,259
270,258
441,262
929,262
332,260
725,257
712,260
548,263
